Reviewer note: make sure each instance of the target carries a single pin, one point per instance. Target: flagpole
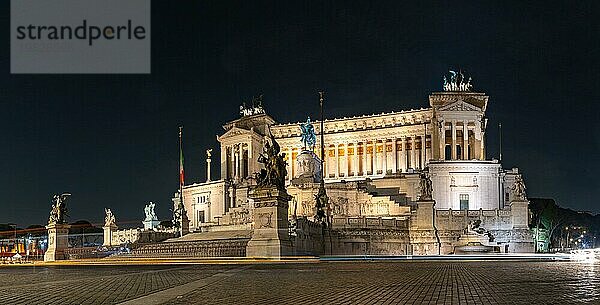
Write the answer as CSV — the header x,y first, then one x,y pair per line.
x,y
181,181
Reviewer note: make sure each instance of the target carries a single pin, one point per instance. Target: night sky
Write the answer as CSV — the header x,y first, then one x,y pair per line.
x,y
111,140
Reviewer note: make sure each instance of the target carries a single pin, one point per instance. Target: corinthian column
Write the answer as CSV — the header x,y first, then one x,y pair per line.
x,y
454,157
465,150
356,159
395,156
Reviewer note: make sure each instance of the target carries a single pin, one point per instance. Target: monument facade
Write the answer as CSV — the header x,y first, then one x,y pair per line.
x,y
375,168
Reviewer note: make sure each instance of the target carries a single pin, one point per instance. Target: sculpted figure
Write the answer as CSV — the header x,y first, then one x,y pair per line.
x,y
275,166
109,219
309,138
425,186
58,213
149,211
518,188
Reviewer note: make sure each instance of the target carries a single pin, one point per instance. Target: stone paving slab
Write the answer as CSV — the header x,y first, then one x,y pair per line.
x,y
384,282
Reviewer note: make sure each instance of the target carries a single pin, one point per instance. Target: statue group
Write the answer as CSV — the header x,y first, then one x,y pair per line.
x,y
149,211
58,213
518,189
273,175
457,82
256,108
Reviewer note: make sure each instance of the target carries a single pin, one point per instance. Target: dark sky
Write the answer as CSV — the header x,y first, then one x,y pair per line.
x,y
111,140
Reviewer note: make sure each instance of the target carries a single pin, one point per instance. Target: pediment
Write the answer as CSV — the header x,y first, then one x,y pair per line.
x,y
459,105
235,131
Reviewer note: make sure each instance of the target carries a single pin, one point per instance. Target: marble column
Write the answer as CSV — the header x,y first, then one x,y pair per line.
x,y
337,161
384,156
289,164
442,140
413,152
454,156
375,158
250,166
364,158
236,166
345,160
356,162
465,150
403,165
423,145
395,157
224,164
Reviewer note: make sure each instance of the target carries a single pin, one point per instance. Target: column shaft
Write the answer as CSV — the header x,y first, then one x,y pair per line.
x,y
454,157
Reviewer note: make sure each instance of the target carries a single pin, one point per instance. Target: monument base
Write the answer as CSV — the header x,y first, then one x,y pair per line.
x,y
108,232
58,241
271,233
150,224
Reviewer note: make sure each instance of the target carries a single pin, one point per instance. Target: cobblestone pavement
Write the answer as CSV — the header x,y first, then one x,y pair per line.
x,y
406,282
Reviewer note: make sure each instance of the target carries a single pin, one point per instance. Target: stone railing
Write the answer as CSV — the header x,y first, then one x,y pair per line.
x,y
370,222
137,235
204,248
460,219
85,252
307,237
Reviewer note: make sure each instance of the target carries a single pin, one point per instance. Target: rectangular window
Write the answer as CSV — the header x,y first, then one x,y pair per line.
x,y
464,201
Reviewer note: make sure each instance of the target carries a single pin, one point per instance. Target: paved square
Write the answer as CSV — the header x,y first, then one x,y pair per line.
x,y
405,282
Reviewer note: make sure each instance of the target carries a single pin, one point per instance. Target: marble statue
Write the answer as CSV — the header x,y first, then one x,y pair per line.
x,y
518,189
425,186
256,108
58,213
275,166
149,211
309,138
209,153
457,82
322,201
109,219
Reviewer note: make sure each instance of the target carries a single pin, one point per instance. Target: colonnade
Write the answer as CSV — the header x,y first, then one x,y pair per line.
x,y
461,140
376,157
236,160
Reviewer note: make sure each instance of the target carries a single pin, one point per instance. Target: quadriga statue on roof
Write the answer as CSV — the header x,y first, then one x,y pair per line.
x,y
273,175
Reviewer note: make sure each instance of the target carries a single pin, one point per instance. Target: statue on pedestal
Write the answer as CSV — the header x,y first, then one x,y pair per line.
x,y
58,213
309,138
149,211
151,221
425,187
273,175
518,189
109,219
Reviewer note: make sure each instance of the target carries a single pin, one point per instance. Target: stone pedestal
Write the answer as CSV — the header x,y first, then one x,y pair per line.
x,y
108,235
270,238
425,217
58,241
519,210
150,224
424,235
185,224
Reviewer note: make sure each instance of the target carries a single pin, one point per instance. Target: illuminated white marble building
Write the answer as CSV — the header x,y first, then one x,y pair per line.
x,y
371,163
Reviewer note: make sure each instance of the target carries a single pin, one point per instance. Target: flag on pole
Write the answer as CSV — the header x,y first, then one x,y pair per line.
x,y
181,176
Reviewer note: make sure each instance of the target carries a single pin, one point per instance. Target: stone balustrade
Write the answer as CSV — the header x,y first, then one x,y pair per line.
x,y
202,248
371,222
